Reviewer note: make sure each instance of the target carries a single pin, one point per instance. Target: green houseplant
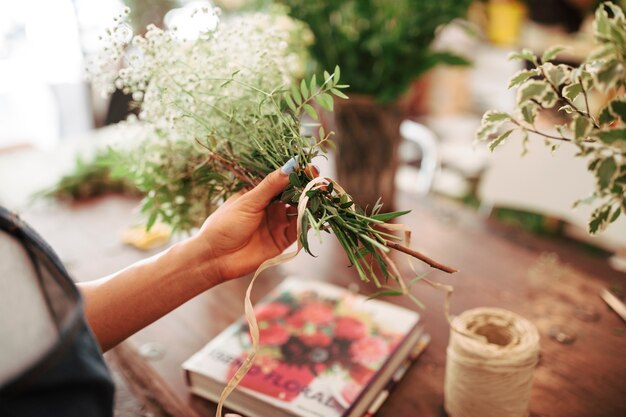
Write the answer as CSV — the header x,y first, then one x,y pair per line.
x,y
601,137
382,47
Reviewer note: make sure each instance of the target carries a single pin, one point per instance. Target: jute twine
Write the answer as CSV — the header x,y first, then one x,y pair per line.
x,y
490,361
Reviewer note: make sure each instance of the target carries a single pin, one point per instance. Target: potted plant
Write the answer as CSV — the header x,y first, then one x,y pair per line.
x,y
381,48
599,136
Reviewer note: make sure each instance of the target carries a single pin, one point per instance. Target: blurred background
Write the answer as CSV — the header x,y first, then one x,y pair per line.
x,y
443,67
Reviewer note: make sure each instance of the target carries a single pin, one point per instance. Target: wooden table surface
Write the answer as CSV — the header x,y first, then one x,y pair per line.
x,y
553,283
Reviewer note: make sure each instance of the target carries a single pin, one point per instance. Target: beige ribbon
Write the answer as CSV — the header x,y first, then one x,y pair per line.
x,y
315,183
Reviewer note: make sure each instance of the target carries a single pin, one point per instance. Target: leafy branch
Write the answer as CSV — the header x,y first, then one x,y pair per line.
x,y
600,138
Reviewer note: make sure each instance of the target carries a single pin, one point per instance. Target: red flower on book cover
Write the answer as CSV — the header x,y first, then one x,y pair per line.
x,y
274,334
319,339
314,312
271,311
369,350
350,328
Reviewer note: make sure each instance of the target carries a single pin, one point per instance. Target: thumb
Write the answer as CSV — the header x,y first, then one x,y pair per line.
x,y
273,184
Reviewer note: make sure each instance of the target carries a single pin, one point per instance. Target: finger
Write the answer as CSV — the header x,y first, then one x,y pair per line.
x,y
291,231
273,184
234,198
277,223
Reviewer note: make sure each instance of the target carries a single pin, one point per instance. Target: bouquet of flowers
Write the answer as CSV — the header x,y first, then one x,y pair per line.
x,y
222,110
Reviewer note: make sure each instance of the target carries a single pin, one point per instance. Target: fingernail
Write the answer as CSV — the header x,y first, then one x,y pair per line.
x,y
231,415
290,166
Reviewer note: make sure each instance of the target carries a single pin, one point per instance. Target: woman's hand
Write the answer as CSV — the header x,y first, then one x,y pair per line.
x,y
247,229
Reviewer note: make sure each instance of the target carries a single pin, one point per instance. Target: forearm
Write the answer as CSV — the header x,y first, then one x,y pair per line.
x,y
123,303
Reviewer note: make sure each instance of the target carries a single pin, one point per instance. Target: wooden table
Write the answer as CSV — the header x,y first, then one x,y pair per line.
x,y
551,282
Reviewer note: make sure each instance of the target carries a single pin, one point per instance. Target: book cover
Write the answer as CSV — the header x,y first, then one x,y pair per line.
x,y
321,347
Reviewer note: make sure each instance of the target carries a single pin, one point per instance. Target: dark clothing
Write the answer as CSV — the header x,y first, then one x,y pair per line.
x,y
71,379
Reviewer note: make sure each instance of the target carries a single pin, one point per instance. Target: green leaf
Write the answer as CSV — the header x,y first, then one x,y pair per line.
x,y
529,112
294,179
556,74
522,76
310,111
494,143
495,117
524,54
295,94
618,107
327,77
552,53
599,219
534,89
315,205
549,99
605,172
572,91
612,136
606,117
581,126
338,93
385,293
313,85
325,100
321,133
593,164
608,75
151,219
391,215
601,23
615,215
290,102
312,193
304,235
604,52
485,131
304,89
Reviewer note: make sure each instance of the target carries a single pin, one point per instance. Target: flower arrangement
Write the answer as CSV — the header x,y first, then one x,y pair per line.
x,y
305,334
221,111
601,138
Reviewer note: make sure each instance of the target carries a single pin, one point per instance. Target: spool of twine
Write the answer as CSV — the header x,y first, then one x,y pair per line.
x,y
490,361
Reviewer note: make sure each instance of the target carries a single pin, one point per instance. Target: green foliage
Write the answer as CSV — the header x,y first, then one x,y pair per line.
x,y
380,45
601,138
90,178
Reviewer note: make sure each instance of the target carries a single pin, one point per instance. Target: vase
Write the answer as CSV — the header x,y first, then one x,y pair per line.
x,y
367,135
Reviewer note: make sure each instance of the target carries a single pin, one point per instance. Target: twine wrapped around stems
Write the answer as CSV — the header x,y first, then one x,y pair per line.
x,y
490,361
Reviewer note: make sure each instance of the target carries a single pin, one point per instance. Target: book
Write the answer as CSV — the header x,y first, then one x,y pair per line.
x,y
323,352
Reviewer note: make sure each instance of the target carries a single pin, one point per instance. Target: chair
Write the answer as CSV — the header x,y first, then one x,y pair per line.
x,y
419,143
